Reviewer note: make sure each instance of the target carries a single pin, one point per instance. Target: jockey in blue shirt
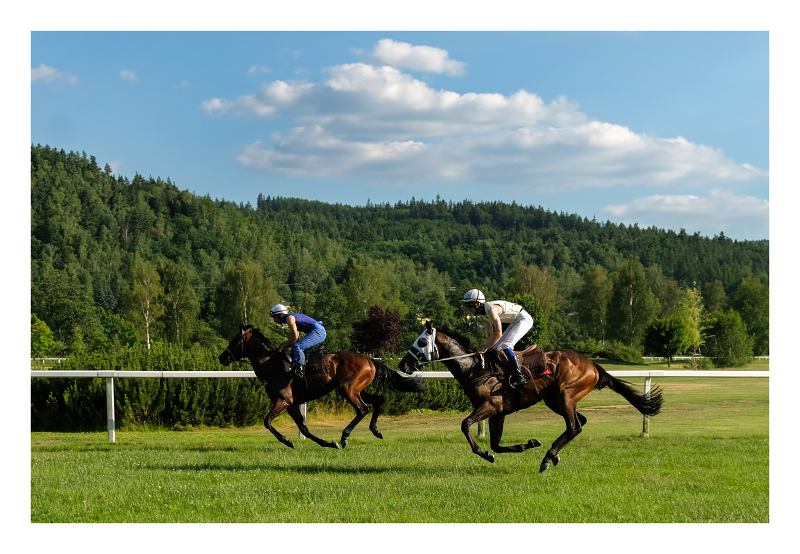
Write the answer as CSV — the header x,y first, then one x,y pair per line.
x,y
314,334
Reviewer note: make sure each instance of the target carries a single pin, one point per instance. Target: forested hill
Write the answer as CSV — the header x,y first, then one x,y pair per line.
x,y
98,239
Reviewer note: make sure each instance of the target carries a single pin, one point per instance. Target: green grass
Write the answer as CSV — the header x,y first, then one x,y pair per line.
x,y
705,461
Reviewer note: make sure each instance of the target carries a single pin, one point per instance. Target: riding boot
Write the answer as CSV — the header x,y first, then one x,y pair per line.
x,y
515,376
299,370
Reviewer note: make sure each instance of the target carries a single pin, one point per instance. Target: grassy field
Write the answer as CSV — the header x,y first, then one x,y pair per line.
x,y
705,461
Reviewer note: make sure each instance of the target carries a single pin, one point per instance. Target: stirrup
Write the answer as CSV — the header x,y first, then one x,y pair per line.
x,y
517,380
298,370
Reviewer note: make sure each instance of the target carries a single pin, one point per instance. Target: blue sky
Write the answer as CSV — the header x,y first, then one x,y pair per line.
x,y
657,128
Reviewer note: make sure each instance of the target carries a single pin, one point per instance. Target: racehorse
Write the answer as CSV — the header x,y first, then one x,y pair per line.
x,y
347,372
574,376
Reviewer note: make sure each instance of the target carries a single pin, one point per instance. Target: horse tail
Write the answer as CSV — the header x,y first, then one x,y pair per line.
x,y
648,404
385,375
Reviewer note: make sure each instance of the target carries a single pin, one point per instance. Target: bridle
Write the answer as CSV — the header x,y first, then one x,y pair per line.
x,y
420,356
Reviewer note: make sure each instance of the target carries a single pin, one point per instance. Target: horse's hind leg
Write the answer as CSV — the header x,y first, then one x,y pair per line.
x,y
377,402
297,416
480,413
496,433
574,421
361,408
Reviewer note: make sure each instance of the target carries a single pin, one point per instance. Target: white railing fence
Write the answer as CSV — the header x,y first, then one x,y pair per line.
x,y
109,376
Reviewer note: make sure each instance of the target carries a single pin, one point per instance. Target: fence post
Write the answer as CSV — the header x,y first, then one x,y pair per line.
x,y
110,421
648,382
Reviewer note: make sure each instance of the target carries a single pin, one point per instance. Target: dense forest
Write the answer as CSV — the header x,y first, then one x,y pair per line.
x,y
119,263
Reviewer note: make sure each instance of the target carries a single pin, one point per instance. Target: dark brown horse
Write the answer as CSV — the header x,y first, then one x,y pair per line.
x,y
347,372
574,377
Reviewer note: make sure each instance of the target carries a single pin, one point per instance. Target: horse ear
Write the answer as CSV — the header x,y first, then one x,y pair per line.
x,y
429,325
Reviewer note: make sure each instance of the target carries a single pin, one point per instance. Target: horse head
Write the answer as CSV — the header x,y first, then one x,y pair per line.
x,y
249,343
423,350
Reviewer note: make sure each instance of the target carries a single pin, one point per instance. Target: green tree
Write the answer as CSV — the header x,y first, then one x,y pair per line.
x,y
666,338
180,300
593,301
63,303
244,296
633,305
537,282
727,340
751,300
42,342
145,300
539,331
665,289
714,296
690,312
372,283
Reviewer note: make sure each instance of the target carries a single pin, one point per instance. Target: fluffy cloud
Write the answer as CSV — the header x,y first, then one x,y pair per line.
x,y
416,58
48,74
718,210
379,124
128,75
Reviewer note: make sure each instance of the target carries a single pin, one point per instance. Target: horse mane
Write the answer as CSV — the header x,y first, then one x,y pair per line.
x,y
463,341
265,342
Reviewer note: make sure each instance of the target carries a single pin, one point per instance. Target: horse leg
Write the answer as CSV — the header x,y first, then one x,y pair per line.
x,y
480,413
297,416
361,408
496,433
278,407
376,400
574,422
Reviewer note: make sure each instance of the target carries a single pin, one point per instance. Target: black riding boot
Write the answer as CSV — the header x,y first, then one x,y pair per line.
x,y
515,376
299,370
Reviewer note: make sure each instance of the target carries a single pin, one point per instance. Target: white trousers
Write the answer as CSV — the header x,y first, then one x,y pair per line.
x,y
515,331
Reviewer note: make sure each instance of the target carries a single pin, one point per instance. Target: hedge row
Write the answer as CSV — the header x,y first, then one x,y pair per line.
x,y
63,404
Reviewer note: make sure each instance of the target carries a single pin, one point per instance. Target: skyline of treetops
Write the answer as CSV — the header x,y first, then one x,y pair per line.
x,y
119,263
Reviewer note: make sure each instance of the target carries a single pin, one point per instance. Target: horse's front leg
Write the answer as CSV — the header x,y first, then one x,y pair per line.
x,y
278,407
496,433
297,416
478,414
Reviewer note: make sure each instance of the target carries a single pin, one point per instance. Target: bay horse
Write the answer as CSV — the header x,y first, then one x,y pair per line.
x,y
573,377
347,372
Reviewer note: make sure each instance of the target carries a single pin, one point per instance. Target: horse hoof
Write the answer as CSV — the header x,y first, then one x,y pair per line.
x,y
377,434
338,446
290,444
544,465
489,457
533,443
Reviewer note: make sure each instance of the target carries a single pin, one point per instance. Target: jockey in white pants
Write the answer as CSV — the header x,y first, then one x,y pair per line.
x,y
499,312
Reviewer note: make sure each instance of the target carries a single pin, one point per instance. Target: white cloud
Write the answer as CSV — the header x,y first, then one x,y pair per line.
x,y
416,58
128,75
381,125
719,210
48,74
258,70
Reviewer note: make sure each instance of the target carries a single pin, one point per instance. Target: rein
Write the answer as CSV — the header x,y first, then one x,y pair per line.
x,y
451,358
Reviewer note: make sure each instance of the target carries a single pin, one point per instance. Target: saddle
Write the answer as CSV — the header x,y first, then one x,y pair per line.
x,y
314,357
533,360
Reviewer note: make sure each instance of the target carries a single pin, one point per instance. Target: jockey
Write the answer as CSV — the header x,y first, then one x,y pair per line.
x,y
314,334
497,313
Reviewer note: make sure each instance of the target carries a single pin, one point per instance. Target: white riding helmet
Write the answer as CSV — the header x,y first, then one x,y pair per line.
x,y
473,295
278,309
